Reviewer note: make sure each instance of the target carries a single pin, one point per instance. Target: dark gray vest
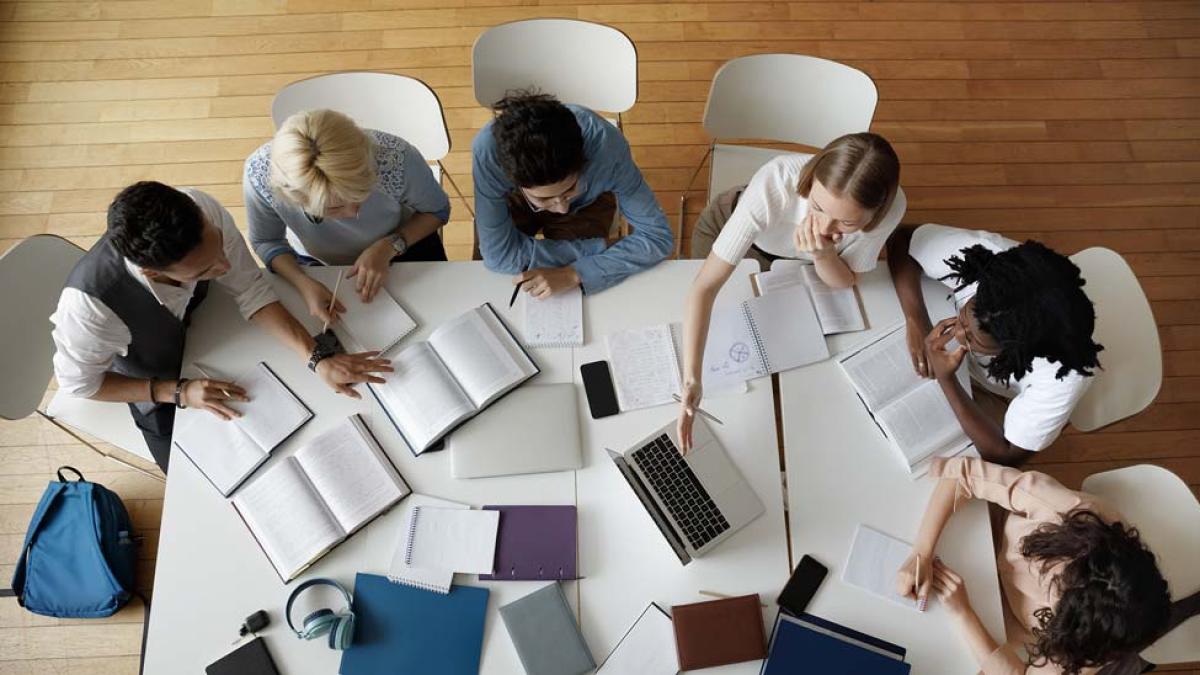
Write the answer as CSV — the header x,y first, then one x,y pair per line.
x,y
156,349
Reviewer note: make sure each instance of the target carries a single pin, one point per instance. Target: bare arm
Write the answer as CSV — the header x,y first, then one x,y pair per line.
x,y
834,271
913,579
211,395
987,436
697,314
906,277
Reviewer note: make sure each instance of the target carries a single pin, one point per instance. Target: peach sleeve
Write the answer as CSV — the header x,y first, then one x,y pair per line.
x,y
1031,494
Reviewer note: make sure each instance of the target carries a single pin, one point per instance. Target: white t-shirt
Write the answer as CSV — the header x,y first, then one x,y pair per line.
x,y
1041,403
769,210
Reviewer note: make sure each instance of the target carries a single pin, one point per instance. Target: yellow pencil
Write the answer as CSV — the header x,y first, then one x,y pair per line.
x,y
333,300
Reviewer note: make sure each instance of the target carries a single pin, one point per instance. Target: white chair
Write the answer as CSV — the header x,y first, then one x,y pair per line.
x,y
580,62
1125,326
39,266
397,104
787,98
1167,515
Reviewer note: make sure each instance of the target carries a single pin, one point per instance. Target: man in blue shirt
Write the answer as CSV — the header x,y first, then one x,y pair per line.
x,y
561,171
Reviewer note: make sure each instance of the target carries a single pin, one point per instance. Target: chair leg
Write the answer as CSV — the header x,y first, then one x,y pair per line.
x,y
683,199
98,451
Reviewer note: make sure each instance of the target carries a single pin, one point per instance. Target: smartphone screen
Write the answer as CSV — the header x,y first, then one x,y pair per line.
x,y
802,586
598,385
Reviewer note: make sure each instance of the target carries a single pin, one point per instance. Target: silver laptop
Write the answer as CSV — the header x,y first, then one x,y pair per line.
x,y
697,501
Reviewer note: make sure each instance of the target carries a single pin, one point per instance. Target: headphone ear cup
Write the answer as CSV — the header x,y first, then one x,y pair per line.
x,y
318,623
346,630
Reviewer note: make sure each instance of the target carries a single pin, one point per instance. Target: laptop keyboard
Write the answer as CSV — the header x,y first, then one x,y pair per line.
x,y
668,473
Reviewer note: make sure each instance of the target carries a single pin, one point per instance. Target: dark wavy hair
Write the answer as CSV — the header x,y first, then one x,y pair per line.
x,y
154,225
1030,299
1113,599
538,138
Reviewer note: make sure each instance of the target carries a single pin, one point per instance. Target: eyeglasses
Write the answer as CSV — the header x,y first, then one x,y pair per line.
x,y
540,204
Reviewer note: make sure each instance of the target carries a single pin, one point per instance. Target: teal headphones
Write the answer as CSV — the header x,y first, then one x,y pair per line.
x,y
340,627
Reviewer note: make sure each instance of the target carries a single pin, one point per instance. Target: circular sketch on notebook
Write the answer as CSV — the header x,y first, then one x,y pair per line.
x,y
739,352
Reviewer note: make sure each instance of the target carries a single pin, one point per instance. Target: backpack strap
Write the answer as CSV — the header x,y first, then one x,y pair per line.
x,y
73,470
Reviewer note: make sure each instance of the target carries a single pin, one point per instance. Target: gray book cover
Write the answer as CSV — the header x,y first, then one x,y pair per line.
x,y
544,631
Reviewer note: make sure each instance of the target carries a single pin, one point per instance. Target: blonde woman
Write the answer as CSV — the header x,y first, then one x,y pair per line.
x,y
325,192
834,210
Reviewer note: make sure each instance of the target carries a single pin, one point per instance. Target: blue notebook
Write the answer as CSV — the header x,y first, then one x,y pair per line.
x,y
809,644
400,629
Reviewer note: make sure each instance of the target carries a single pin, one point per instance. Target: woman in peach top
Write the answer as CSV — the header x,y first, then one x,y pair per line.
x,y
1081,590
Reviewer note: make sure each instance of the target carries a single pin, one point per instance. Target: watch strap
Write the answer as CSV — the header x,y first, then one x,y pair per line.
x,y
179,392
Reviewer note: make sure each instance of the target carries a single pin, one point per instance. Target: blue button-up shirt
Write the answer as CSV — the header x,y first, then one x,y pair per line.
x,y
609,167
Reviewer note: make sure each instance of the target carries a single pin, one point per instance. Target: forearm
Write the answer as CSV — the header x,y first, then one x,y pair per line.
x,y
276,320
937,514
286,266
834,271
698,313
124,389
987,436
906,277
418,227
978,640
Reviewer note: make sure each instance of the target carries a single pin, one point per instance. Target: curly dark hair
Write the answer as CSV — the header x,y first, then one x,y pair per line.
x,y
1031,300
538,139
154,225
1113,599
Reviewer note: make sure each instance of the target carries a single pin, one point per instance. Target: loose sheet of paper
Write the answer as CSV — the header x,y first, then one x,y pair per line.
x,y
556,321
874,559
644,366
453,539
647,649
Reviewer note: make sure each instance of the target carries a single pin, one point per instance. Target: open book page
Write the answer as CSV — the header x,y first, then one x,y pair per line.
x,y
644,366
882,371
457,540
874,560
556,321
219,448
837,308
921,422
422,396
273,412
730,353
375,326
479,352
289,520
786,329
400,571
347,468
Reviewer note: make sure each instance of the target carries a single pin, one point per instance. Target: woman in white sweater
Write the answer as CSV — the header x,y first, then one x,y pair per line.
x,y
834,209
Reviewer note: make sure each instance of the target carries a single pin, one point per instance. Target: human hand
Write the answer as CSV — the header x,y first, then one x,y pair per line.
x,y
371,268
341,371
809,239
543,282
915,576
317,297
943,364
213,396
914,335
689,402
950,590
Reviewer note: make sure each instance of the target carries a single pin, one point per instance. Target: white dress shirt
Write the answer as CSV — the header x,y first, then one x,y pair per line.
x,y
88,335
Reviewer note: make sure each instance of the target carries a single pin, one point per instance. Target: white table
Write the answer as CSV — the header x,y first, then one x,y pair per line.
x,y
624,557
210,574
841,472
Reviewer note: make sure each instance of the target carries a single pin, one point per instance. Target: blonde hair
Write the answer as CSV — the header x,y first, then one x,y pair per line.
x,y
319,156
862,166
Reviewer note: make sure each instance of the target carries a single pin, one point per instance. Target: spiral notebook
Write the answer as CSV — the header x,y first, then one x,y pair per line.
x,y
556,321
535,543
400,572
454,539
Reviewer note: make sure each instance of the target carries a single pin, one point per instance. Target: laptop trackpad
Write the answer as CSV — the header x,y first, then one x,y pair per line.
x,y
714,468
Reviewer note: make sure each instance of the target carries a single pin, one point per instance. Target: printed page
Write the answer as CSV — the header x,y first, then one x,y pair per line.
x,y
475,354
273,412
644,367
874,560
287,517
375,326
882,371
921,422
730,353
778,277
452,539
422,397
556,321
344,467
788,332
220,449
837,308
647,649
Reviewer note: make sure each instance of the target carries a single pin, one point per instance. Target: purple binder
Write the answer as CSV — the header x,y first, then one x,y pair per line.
x,y
535,543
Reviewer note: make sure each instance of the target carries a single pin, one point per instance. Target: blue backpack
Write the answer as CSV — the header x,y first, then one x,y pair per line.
x,y
79,555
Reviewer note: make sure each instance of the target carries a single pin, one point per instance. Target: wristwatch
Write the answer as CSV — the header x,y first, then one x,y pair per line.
x,y
399,245
326,345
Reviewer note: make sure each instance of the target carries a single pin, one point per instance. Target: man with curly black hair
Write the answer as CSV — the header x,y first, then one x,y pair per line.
x,y
122,318
1024,326
561,171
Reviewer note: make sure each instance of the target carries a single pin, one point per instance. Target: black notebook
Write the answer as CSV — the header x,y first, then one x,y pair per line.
x,y
252,658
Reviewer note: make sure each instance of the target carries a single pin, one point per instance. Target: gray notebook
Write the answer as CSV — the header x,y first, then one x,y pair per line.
x,y
543,630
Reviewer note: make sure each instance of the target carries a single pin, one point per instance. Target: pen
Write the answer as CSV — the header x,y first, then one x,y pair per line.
x,y
517,288
333,300
700,410
921,600
205,373
714,594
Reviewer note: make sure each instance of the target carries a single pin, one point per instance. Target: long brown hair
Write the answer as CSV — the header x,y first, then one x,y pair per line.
x,y
863,166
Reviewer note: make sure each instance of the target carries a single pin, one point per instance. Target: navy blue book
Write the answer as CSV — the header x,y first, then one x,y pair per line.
x,y
810,644
400,629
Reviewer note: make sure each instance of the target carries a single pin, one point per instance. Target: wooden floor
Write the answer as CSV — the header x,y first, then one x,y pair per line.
x,y
1077,123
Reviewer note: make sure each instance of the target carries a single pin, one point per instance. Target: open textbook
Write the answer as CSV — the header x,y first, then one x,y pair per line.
x,y
375,326
912,411
310,502
227,452
466,364
838,309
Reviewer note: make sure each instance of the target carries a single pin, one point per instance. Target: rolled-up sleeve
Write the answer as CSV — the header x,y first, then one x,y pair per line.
x,y
245,280
87,336
268,231
1031,494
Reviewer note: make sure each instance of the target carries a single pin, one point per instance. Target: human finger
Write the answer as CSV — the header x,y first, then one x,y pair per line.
x,y
353,271
222,409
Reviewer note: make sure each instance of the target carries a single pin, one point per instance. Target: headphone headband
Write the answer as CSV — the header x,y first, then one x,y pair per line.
x,y
316,581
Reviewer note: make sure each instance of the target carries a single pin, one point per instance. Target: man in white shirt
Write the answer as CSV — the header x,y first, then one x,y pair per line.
x,y
122,318
1024,325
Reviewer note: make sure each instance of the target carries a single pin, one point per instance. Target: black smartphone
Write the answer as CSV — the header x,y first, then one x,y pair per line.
x,y
802,586
598,385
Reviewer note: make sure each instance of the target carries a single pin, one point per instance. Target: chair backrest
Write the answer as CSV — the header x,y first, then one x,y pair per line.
x,y
38,267
789,98
397,104
1167,516
580,62
1125,326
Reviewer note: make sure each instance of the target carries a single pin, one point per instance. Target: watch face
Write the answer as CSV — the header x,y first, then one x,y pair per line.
x,y
327,342
400,245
